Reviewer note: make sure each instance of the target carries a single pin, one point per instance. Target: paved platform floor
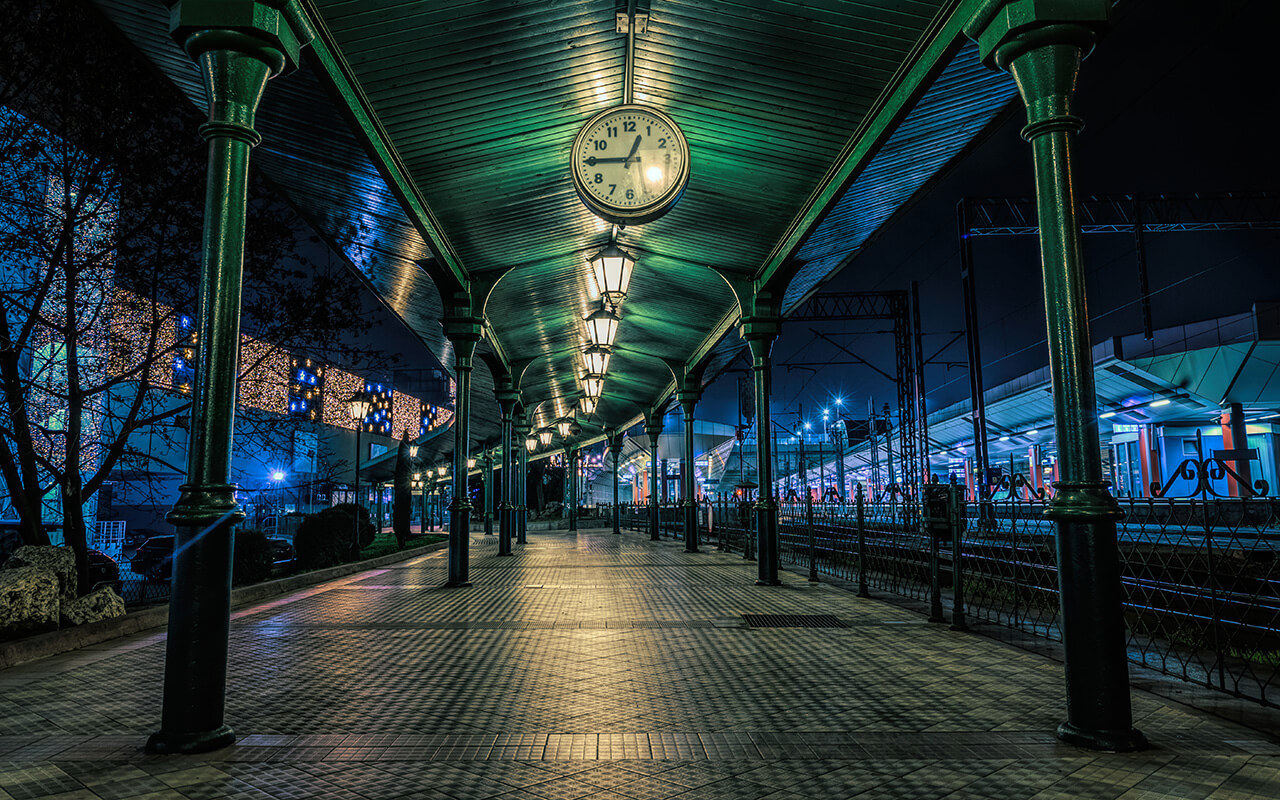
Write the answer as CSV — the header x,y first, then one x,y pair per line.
x,y
605,667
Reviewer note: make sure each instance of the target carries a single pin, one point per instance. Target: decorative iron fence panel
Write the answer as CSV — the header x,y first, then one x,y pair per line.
x,y
1201,577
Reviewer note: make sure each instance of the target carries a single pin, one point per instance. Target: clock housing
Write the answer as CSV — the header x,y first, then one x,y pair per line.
x,y
630,164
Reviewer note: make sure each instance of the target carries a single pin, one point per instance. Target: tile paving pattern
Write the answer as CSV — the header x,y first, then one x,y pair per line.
x,y
602,667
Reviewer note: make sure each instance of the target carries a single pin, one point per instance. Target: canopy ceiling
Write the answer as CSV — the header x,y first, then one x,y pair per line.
x,y
441,131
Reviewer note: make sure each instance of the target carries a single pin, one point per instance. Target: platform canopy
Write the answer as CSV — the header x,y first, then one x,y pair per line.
x,y
429,142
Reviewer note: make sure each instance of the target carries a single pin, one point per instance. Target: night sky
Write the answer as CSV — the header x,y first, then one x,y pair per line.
x,y
1174,100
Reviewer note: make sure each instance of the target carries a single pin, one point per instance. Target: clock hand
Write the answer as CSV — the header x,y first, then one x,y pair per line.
x,y
592,160
634,147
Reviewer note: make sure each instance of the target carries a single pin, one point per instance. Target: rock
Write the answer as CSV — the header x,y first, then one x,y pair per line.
x,y
61,561
102,603
28,601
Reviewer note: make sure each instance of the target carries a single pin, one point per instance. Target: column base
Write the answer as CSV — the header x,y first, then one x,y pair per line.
x,y
457,584
1125,741
774,582
163,743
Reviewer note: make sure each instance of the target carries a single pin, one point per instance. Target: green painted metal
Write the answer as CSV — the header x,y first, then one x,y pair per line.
x,y
236,61
1041,45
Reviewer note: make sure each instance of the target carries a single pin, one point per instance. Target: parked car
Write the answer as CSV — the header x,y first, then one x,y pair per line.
x,y
154,559
104,571
281,551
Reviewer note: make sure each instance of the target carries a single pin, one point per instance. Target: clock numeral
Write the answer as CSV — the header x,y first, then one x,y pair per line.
x,y
601,144
613,187
662,142
612,131
629,127
599,178
648,130
631,194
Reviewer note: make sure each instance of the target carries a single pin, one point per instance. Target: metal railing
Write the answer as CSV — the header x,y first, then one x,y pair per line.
x,y
1201,577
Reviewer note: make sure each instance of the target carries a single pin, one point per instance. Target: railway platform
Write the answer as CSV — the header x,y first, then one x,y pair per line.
x,y
602,666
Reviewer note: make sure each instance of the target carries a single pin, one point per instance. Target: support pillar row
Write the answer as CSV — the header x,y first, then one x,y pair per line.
x,y
463,332
523,430
653,429
760,333
506,510
688,399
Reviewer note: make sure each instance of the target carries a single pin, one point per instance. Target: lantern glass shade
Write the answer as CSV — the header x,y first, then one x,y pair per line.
x,y
612,270
358,406
602,327
597,358
588,404
593,386
562,427
531,443
471,463
544,436
417,476
413,451
442,470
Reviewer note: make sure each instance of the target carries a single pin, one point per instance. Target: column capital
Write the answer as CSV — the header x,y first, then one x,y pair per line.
x,y
755,328
1041,43
688,398
1004,29
272,31
507,399
464,333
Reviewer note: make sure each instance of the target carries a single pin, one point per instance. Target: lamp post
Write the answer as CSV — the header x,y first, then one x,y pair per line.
x,y
358,407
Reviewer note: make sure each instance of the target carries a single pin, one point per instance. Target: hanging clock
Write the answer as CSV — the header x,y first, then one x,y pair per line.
x,y
630,164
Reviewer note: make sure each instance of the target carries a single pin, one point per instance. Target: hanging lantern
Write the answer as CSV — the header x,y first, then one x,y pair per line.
x,y
611,268
531,443
588,405
563,425
544,436
442,470
602,327
593,385
596,358
471,463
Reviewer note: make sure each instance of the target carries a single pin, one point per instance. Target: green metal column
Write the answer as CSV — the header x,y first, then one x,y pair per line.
x,y
571,475
506,511
487,476
1042,46
463,333
760,333
615,450
653,429
688,399
236,59
522,479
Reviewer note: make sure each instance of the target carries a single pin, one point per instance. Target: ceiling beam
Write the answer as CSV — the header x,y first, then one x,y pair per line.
x,y
334,70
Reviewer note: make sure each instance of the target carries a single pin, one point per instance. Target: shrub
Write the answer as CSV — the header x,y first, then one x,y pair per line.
x,y
325,539
252,560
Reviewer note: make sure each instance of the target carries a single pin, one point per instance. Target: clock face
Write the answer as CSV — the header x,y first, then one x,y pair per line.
x,y
630,164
